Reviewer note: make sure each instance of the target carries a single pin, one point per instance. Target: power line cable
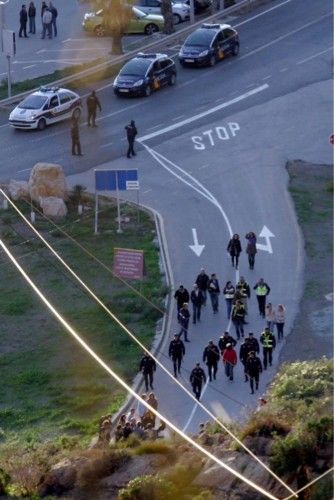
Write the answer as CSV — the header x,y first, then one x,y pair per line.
x,y
310,483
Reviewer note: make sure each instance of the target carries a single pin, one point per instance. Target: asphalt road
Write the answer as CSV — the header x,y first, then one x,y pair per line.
x,y
223,136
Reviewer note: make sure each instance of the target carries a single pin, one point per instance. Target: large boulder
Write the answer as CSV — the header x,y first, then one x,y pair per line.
x,y
53,207
47,179
18,190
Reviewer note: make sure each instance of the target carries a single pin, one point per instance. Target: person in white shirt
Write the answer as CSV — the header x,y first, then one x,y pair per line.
x,y
47,23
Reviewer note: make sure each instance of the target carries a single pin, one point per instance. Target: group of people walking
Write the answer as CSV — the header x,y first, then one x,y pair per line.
x,y
49,15
234,249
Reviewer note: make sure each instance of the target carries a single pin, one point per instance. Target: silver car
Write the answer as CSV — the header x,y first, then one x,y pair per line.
x,y
181,11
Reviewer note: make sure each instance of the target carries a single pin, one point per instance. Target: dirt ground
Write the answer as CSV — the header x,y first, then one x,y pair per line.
x,y
311,187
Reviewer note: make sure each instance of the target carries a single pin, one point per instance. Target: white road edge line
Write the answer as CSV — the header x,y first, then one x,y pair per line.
x,y
204,113
312,57
191,416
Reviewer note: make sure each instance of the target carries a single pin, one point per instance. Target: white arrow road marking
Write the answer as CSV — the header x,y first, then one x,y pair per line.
x,y
196,248
267,234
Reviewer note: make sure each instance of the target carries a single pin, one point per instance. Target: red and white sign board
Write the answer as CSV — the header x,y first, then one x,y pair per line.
x,y
128,263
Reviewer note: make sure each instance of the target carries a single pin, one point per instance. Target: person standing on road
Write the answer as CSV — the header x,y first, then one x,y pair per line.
x,y
23,21
176,352
254,343
245,290
147,367
268,341
224,340
184,316
197,377
238,318
280,320
211,357
181,295
54,13
270,316
244,351
197,300
262,290
131,132
229,359
32,18
75,136
43,8
214,291
92,104
229,292
47,23
202,281
251,248
253,368
234,249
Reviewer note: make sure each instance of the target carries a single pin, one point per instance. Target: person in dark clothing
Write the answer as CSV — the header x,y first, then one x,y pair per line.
x,y
253,368
23,21
181,295
184,316
268,341
131,132
197,377
54,13
211,357
127,430
262,290
147,367
244,351
32,17
92,104
245,290
202,281
229,292
224,340
214,291
75,137
238,318
234,249
197,300
43,8
254,343
251,248
176,352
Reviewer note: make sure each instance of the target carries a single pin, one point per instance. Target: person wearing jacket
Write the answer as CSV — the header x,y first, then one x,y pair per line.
x,y
229,292
280,320
234,249
229,359
202,281
245,349
245,290
253,368
93,103
238,318
32,18
262,290
181,295
131,132
197,300
54,13
184,316
214,291
270,316
147,366
224,340
47,23
211,357
251,248
254,343
197,377
176,352
268,341
23,22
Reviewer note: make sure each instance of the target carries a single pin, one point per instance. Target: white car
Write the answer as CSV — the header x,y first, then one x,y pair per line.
x,y
46,106
181,11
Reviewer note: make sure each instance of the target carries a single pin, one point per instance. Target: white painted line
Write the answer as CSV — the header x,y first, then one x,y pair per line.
x,y
315,55
106,145
204,113
147,191
203,166
267,77
184,84
155,126
263,13
191,416
24,170
30,66
174,119
85,49
40,51
67,40
1,74
283,69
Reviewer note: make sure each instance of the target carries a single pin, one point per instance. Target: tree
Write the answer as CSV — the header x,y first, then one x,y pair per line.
x,y
166,11
116,18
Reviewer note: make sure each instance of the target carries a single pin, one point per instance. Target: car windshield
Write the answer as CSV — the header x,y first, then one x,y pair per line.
x,y
33,102
136,67
138,13
201,38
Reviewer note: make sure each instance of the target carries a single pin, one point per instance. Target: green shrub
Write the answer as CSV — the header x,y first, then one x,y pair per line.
x,y
321,429
148,488
297,448
265,424
149,447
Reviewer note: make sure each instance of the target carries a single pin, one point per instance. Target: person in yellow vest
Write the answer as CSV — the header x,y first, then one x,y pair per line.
x,y
268,341
262,289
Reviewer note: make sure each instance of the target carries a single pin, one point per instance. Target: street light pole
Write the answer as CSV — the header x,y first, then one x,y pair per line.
x,y
2,21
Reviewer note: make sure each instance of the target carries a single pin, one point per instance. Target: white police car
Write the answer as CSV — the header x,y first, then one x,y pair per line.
x,y
46,106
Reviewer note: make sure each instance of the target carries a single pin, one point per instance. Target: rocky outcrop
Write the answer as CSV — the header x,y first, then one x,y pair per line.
x,y
61,478
47,179
53,207
18,190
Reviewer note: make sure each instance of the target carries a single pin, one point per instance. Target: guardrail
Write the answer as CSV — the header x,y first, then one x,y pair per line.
x,y
167,40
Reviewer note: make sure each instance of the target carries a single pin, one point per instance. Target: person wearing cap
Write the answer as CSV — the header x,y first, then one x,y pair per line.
x,y
131,132
181,295
229,359
197,377
197,300
176,352
253,368
211,358
214,292
254,343
147,367
184,316
268,341
224,340
202,281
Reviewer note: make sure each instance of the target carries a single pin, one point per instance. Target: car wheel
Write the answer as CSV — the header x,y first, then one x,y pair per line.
x,y
235,50
212,60
172,79
41,124
151,28
177,19
147,91
99,31
76,113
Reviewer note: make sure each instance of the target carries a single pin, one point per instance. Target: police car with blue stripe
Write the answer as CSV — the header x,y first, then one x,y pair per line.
x,y
46,106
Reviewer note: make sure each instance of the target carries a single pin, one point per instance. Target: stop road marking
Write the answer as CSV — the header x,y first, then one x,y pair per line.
x,y
208,137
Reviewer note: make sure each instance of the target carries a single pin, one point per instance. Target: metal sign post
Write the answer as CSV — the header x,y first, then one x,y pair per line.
x,y
119,230
9,49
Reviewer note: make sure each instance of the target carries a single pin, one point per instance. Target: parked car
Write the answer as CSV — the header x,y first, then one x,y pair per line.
x,y
140,23
181,11
209,44
145,73
199,5
45,106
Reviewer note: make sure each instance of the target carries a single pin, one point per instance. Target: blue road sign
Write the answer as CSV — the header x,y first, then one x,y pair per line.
x,y
110,180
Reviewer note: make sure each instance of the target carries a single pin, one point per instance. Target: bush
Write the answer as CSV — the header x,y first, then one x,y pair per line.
x,y
321,429
148,488
100,463
150,447
297,448
265,424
